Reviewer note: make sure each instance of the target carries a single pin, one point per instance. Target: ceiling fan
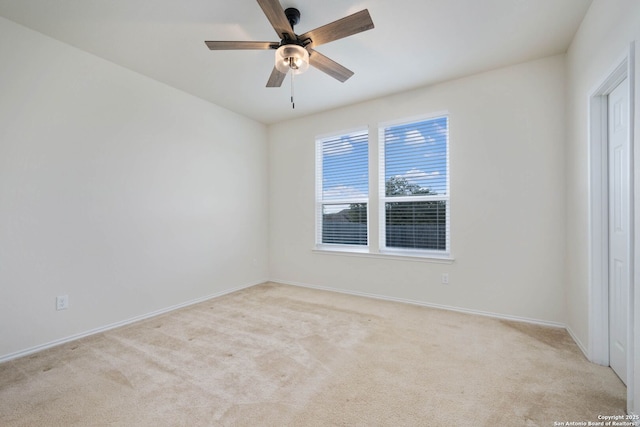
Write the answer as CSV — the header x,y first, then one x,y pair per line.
x,y
295,52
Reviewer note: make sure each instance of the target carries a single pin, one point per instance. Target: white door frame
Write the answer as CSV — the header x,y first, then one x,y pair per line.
x,y
599,220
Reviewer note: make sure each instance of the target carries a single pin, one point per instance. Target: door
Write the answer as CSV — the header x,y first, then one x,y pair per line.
x,y
619,227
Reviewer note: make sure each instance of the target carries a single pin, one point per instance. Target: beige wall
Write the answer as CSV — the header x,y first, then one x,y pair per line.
x,y
507,196
121,192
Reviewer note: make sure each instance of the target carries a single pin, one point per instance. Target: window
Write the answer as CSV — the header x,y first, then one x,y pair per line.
x,y
411,204
342,193
414,186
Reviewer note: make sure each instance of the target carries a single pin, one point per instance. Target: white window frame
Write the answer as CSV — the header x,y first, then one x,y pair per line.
x,y
376,200
383,199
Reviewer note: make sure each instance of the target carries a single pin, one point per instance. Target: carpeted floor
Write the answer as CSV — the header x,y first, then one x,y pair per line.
x,y
275,355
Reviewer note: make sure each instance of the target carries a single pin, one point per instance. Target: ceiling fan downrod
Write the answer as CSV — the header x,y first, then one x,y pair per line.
x,y
293,16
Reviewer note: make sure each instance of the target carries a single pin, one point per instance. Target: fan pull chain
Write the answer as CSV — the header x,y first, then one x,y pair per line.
x,y
293,104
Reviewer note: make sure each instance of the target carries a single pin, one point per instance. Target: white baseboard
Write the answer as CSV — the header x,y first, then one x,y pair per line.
x,y
426,304
35,349
578,342
31,350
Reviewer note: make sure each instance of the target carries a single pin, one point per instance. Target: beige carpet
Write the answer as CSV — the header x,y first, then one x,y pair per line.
x,y
276,355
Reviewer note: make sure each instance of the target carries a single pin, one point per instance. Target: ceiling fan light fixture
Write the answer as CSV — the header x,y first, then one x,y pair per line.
x,y
292,57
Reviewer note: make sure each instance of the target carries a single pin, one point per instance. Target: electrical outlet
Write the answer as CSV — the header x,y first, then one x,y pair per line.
x,y
445,278
62,302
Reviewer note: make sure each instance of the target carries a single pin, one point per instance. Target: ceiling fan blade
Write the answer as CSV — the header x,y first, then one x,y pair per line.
x,y
276,78
233,45
329,66
275,14
347,26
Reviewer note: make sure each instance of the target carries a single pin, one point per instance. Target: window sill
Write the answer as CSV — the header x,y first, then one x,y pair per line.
x,y
395,255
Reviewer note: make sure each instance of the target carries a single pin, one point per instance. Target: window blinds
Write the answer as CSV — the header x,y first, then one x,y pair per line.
x,y
414,185
342,194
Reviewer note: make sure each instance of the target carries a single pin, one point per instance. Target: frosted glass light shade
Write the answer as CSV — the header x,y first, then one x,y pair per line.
x,y
292,57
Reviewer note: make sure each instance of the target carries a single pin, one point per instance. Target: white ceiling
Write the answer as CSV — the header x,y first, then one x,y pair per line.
x,y
414,43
